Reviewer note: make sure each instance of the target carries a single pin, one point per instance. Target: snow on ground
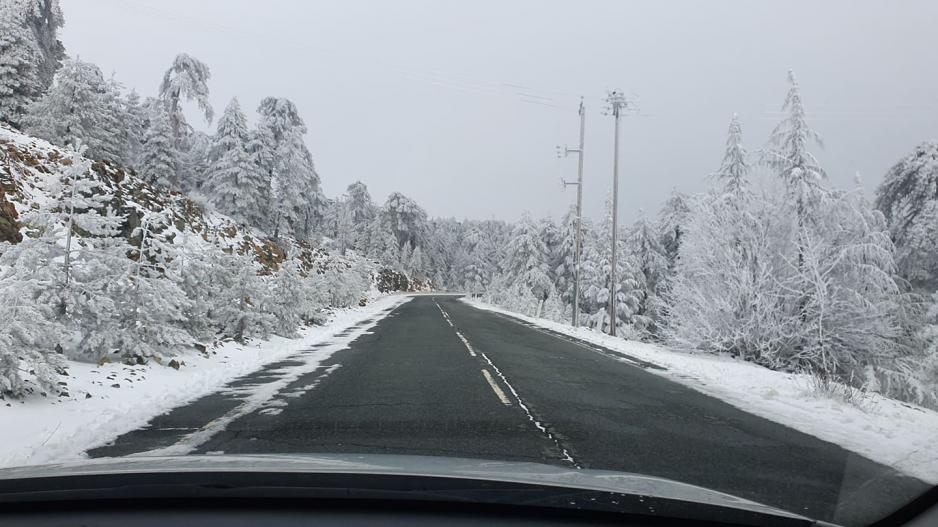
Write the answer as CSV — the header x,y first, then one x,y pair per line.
x,y
887,431
109,400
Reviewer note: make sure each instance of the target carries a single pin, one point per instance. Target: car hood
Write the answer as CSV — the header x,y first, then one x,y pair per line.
x,y
398,465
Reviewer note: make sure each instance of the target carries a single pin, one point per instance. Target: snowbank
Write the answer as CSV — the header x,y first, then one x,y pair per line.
x,y
109,400
887,431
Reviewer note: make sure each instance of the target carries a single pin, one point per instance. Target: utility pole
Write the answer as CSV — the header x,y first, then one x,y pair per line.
x,y
615,102
578,244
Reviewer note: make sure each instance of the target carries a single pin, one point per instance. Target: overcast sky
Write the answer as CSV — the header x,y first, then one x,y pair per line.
x,y
460,104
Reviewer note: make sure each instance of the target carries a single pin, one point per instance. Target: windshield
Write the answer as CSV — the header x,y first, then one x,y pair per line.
x,y
682,240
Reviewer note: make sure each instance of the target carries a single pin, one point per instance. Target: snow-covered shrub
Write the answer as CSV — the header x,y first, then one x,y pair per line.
x,y
237,296
724,296
293,299
344,282
28,325
153,314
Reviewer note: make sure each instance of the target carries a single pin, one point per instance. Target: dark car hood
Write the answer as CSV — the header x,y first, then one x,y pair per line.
x,y
396,465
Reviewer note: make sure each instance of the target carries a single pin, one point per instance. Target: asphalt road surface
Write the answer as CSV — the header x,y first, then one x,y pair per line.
x,y
438,377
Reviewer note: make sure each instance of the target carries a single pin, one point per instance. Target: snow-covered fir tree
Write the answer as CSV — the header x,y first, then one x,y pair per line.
x,y
405,218
789,155
153,314
79,105
296,201
159,157
91,269
185,80
733,173
234,182
908,196
672,221
238,296
30,53
28,325
650,270
564,271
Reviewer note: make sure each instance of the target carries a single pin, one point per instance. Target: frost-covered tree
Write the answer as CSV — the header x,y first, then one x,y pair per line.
x,y
405,218
159,157
28,325
239,296
598,285
153,314
565,265
384,247
344,282
789,155
908,197
733,173
797,168
527,261
82,104
91,270
849,319
297,202
185,80
235,184
672,221
290,299
650,270
136,115
30,53
724,296
362,212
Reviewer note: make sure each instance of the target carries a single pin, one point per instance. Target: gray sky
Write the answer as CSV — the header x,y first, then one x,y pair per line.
x,y
460,104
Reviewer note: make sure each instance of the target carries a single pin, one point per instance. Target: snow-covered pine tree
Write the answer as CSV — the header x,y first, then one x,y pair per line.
x,y
384,247
297,202
159,157
113,125
733,173
650,270
30,53
597,277
81,105
238,295
406,219
565,267
344,283
136,127
185,80
28,325
418,267
798,169
153,314
345,237
908,197
289,300
789,155
846,295
672,219
93,268
527,264
363,212
235,184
